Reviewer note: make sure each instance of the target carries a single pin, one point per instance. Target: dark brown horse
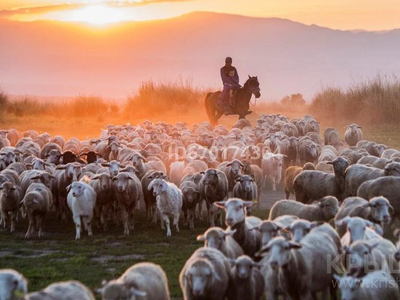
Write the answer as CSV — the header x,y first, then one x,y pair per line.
x,y
241,103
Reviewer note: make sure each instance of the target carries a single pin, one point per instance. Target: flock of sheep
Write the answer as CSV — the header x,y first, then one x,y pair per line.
x,y
347,197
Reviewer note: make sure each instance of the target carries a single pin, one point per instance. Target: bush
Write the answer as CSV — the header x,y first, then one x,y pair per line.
x,y
376,100
3,103
158,98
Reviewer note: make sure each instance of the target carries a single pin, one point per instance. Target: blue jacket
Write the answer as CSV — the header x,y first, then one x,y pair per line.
x,y
227,80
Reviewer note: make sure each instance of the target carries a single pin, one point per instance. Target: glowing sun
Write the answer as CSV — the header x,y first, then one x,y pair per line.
x,y
97,15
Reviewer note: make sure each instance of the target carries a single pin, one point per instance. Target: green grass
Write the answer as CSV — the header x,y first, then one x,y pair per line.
x,y
57,256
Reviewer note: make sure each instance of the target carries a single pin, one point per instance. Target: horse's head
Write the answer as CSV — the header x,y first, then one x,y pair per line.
x,y
254,86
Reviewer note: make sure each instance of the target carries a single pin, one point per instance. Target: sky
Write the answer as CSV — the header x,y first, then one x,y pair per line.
x,y
373,15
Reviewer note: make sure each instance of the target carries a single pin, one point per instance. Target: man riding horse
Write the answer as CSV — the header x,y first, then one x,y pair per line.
x,y
230,80
234,99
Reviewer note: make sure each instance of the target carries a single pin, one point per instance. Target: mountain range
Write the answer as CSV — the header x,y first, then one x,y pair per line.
x,y
65,59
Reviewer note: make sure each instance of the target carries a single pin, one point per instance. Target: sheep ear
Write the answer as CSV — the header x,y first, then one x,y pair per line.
x,y
248,203
343,221
263,250
337,277
293,245
138,293
228,165
220,204
366,205
391,209
201,238
68,188
150,186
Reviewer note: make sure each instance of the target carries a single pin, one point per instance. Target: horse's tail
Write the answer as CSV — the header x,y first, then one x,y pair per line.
x,y
209,108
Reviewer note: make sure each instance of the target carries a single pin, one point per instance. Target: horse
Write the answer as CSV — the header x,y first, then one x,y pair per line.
x,y
241,101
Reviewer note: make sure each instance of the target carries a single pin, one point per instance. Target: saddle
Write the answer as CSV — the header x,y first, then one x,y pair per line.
x,y
227,104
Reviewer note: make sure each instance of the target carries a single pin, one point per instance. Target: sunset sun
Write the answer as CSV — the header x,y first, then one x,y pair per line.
x,y
96,15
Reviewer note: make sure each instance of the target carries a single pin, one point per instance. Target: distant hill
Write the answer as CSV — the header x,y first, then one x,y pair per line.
x,y
54,58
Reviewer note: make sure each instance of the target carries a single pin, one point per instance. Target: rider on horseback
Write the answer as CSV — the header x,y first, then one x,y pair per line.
x,y
230,80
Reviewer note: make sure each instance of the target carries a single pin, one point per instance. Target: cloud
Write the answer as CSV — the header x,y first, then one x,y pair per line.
x,y
38,10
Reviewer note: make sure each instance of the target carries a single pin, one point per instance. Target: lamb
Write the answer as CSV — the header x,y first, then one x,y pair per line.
x,y
149,198
102,185
288,259
358,229
270,229
142,167
10,198
206,275
81,201
353,134
300,228
232,170
145,281
217,238
363,257
63,291
375,285
169,202
255,171
377,210
213,187
236,219
190,198
247,281
308,151
388,187
127,193
13,285
245,189
37,203
357,174
290,175
323,211
328,184
9,175
271,166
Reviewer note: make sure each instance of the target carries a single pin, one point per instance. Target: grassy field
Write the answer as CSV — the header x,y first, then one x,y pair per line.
x,y
57,256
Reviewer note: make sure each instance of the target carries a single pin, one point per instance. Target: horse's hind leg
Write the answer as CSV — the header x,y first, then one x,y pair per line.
x,y
241,117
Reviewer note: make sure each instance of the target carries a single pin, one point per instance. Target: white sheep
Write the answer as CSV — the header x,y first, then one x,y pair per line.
x,y
302,269
358,229
169,202
325,210
81,201
353,134
378,210
145,281
206,275
63,291
13,285
37,202
236,211
217,238
375,285
271,166
247,281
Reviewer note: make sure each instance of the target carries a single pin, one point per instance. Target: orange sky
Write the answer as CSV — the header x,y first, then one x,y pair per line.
x,y
338,14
